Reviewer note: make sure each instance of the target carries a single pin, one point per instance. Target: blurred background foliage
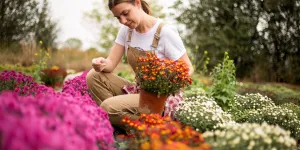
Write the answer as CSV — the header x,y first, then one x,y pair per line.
x,y
260,36
26,23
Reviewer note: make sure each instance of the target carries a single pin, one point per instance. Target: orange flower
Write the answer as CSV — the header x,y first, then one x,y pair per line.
x,y
154,132
167,76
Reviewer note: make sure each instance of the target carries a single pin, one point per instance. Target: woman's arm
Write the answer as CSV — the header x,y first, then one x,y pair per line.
x,y
185,58
113,59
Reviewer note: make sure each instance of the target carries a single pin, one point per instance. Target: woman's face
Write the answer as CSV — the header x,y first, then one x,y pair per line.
x,y
128,14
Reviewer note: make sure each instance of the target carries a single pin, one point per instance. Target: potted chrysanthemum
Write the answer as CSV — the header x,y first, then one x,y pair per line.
x,y
159,78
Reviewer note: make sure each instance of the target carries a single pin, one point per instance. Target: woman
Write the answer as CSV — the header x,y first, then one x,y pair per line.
x,y
140,32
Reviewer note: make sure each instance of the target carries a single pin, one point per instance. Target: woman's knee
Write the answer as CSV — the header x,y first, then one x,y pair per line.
x,y
91,76
106,106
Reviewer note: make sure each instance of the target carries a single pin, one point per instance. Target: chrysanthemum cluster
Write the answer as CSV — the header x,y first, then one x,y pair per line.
x,y
255,108
162,77
283,117
291,106
148,129
195,91
21,84
251,137
50,120
77,86
202,113
252,101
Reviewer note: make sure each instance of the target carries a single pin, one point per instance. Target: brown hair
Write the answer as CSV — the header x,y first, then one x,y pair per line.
x,y
145,5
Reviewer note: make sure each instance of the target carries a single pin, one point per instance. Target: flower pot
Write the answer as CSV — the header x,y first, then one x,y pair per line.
x,y
150,103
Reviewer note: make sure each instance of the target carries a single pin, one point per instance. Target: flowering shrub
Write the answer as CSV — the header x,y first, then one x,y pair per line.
x,y
21,84
162,77
252,101
255,108
155,132
53,76
196,91
251,137
77,86
276,115
28,70
293,107
202,113
57,121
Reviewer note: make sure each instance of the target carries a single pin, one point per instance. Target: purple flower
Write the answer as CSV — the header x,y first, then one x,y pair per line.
x,y
34,116
22,84
77,86
53,121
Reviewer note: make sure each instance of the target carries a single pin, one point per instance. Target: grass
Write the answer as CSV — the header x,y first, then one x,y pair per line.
x,y
280,93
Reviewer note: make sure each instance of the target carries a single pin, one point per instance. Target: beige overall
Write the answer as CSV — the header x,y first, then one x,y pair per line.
x,y
106,88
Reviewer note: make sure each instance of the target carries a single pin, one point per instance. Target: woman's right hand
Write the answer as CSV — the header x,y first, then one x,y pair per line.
x,y
99,63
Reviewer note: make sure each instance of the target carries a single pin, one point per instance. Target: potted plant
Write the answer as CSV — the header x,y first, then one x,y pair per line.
x,y
159,78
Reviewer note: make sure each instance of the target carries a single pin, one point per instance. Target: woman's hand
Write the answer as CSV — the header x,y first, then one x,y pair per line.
x,y
99,64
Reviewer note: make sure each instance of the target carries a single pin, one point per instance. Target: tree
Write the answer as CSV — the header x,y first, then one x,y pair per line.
x,y
46,30
73,43
17,19
25,20
253,31
109,26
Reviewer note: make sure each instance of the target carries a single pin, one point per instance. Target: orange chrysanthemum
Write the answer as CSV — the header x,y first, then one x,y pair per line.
x,y
162,77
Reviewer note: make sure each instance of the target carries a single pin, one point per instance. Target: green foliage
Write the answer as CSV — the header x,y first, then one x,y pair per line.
x,y
73,43
126,75
256,32
46,29
224,82
196,82
202,63
41,64
17,20
279,93
250,137
25,21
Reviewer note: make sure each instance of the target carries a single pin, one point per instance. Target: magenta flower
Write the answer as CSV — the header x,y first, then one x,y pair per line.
x,y
34,116
77,86
58,121
21,84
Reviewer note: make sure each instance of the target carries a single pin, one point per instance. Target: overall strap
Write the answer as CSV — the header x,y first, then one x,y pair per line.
x,y
157,36
129,35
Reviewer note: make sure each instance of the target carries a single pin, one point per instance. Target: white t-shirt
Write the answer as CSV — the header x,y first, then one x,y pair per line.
x,y
170,44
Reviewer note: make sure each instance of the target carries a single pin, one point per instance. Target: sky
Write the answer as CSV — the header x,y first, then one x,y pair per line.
x,y
71,21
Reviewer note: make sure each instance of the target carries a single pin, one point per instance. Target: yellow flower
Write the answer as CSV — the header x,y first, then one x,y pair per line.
x,y
54,68
36,54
